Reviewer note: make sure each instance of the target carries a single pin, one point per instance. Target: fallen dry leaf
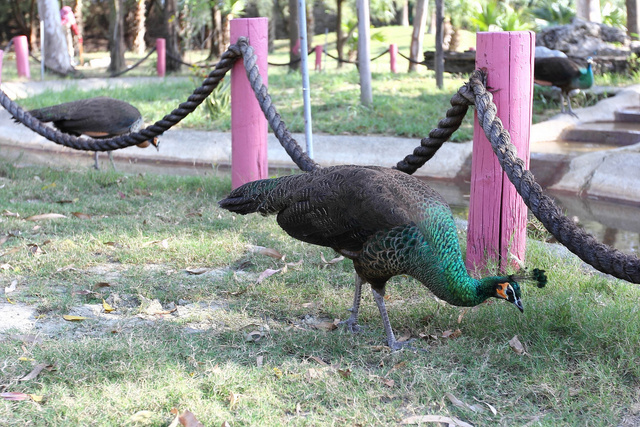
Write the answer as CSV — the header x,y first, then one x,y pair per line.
x,y
15,396
388,382
9,213
164,243
491,408
141,417
71,318
34,249
44,216
233,400
318,360
107,308
461,315
253,336
460,404
517,346
3,239
197,270
269,252
102,285
451,334
11,287
326,326
267,273
34,372
344,373
259,361
81,215
421,419
11,251
330,262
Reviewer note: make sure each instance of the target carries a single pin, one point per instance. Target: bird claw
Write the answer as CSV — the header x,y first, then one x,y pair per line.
x,y
402,345
351,325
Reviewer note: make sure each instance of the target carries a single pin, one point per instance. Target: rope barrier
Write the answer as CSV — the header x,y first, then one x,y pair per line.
x,y
188,64
411,60
295,61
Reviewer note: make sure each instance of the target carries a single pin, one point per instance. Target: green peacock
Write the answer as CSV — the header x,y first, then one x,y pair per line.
x,y
386,221
565,74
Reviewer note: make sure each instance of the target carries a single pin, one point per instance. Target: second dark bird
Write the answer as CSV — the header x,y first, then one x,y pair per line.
x,y
100,117
564,74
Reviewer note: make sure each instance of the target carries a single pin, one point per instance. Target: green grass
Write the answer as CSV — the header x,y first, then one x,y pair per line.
x,y
581,332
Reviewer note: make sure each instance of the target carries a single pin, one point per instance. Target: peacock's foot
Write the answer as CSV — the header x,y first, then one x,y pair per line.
x,y
351,325
400,345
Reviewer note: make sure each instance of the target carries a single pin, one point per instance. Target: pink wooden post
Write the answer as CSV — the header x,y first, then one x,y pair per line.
x,y
161,51
393,54
318,50
248,124
22,56
497,214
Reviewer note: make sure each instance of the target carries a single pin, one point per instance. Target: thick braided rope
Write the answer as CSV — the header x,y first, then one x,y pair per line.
x,y
584,245
438,136
291,146
158,128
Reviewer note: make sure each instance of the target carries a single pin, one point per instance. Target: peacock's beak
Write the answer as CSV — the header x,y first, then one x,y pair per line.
x,y
518,303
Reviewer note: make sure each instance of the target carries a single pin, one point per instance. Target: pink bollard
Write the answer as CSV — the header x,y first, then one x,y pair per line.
x,y
161,51
393,54
318,50
21,47
248,123
497,214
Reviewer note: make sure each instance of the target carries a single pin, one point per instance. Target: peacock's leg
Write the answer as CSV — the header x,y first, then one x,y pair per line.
x,y
391,338
570,112
352,322
95,161
113,165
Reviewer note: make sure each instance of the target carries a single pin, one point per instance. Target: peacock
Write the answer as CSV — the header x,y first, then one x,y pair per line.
x,y
100,117
565,74
388,222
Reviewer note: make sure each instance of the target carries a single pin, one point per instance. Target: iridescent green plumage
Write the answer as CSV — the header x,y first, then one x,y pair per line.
x,y
386,221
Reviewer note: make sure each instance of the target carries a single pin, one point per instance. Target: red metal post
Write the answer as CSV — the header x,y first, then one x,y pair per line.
x,y
497,214
318,50
248,124
161,51
393,54
22,56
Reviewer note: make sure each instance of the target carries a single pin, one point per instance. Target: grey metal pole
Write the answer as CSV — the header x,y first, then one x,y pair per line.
x,y
306,95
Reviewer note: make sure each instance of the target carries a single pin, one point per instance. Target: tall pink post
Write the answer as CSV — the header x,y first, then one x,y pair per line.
x,y
318,50
21,47
393,55
248,124
161,51
497,214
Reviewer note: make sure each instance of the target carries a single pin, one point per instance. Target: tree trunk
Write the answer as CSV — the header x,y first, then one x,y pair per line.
x,y
139,45
589,10
404,17
294,36
170,17
216,25
311,25
419,22
364,56
77,12
273,22
633,18
56,55
116,36
340,34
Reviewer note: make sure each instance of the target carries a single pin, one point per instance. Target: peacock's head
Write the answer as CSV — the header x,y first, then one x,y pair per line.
x,y
508,288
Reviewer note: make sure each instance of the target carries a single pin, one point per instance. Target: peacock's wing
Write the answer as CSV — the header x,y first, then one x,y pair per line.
x,y
556,71
343,206
97,117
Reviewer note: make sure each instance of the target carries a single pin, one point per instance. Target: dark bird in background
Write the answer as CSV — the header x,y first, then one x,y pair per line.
x,y
564,74
100,118
388,222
